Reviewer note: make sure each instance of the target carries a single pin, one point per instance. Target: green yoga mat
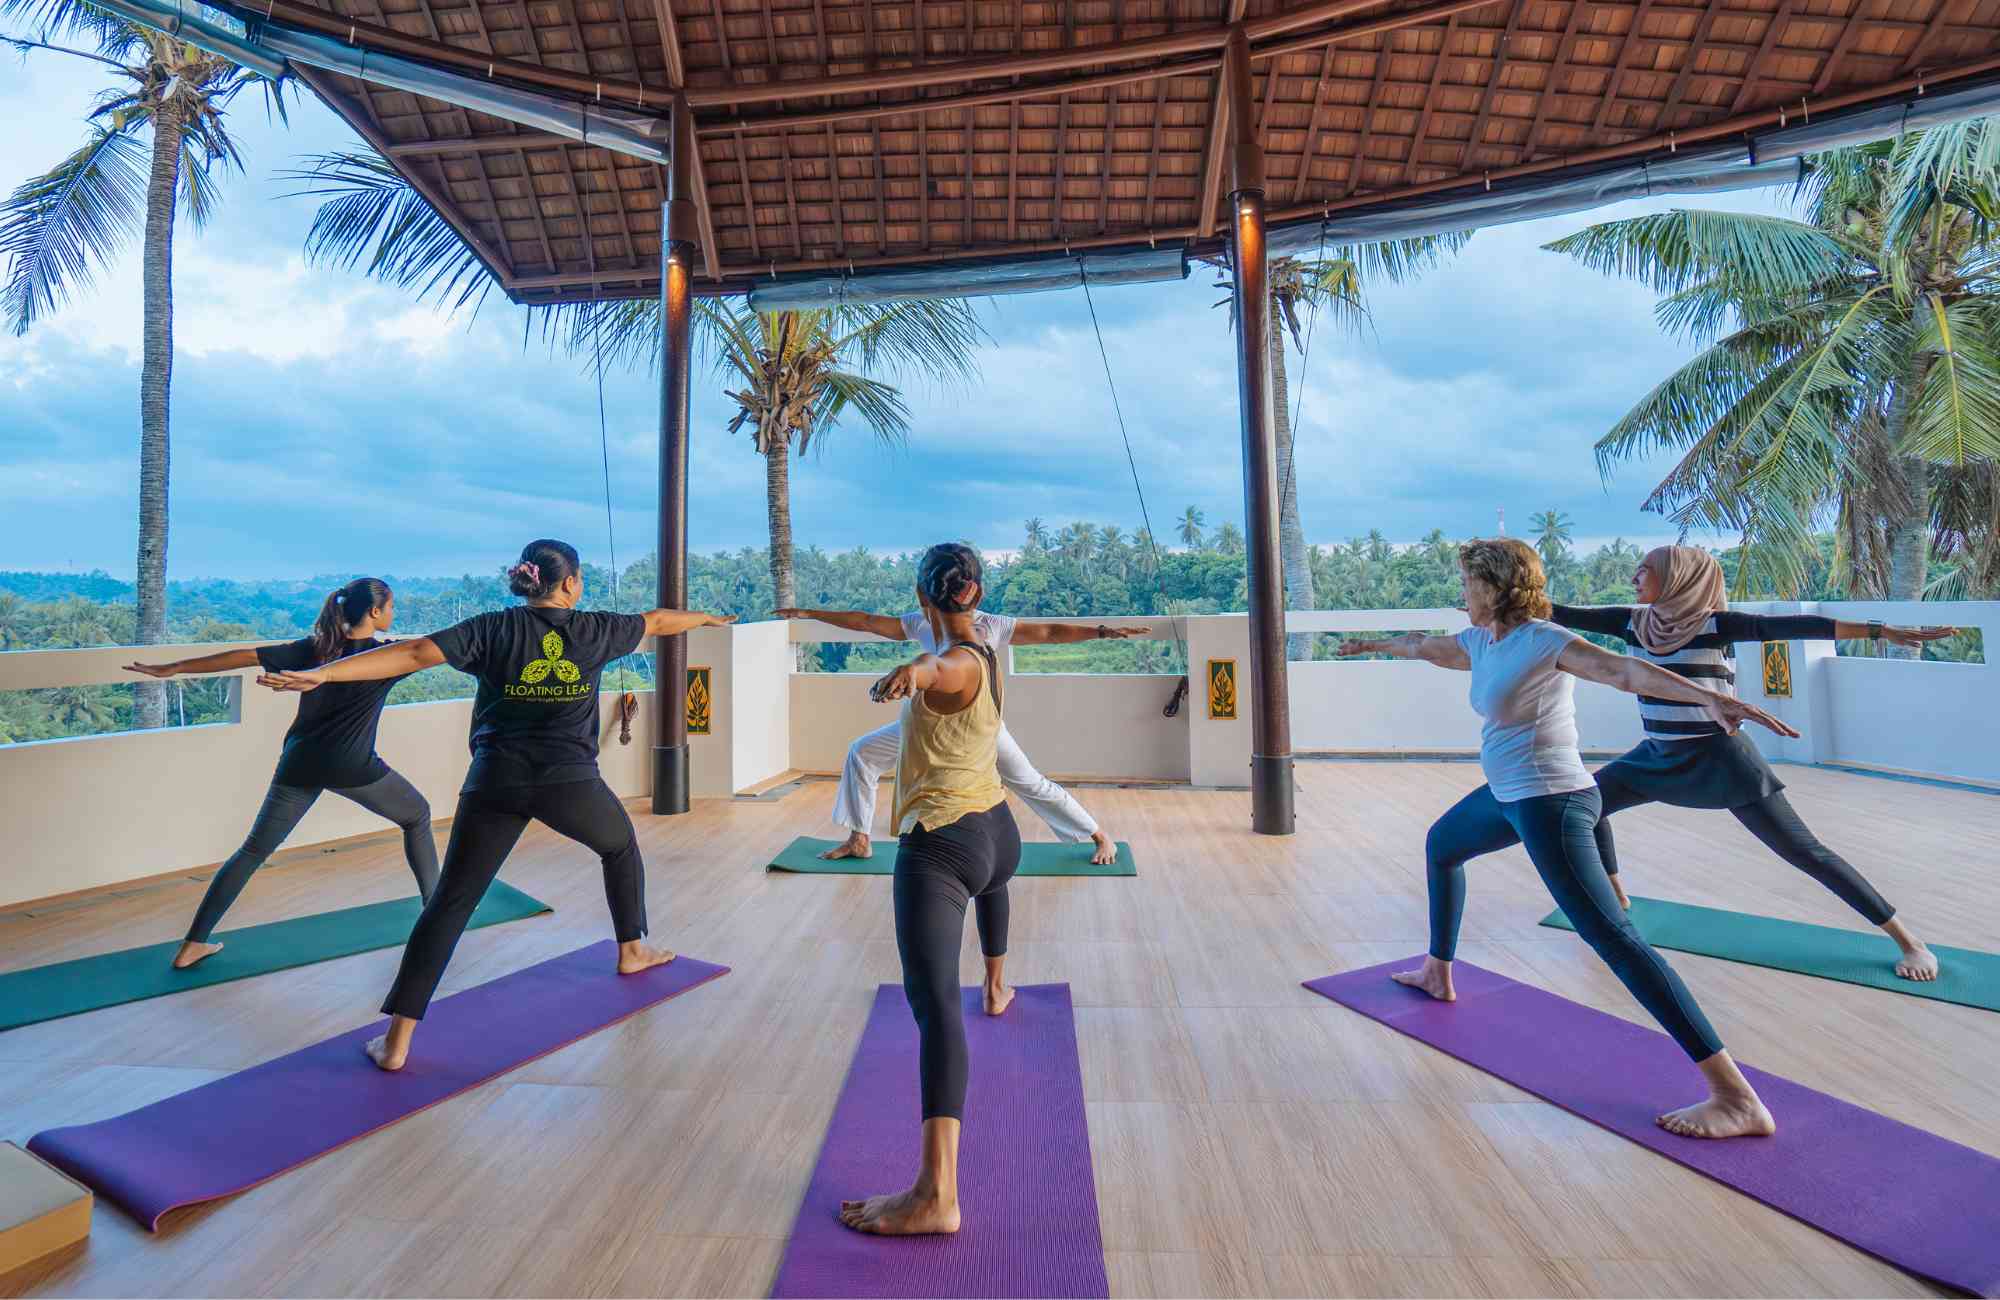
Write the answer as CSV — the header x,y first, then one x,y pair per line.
x,y
71,987
1038,858
1968,978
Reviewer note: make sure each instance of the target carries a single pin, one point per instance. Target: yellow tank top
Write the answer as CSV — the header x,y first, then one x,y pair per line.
x,y
949,764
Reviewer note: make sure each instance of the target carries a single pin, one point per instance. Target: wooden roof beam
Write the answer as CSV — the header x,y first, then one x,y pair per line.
x,y
704,215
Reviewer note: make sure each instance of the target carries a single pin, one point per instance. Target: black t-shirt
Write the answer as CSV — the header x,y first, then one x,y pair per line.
x,y
332,742
534,719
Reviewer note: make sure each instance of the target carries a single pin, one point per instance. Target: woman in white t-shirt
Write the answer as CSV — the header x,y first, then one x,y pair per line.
x,y
1537,794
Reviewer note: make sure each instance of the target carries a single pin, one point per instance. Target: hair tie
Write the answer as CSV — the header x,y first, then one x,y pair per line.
x,y
532,571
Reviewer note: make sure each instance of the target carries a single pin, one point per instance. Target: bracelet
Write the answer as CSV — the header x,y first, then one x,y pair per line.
x,y
1874,629
1102,633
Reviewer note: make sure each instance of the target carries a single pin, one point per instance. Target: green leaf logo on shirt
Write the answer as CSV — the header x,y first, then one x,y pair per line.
x,y
552,658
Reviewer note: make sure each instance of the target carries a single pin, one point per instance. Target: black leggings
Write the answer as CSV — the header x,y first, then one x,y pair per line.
x,y
483,833
1556,830
1772,821
389,796
936,872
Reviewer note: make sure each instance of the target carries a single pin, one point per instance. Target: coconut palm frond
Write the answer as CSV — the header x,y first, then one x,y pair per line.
x,y
370,215
1955,417
58,229
112,34
1749,254
880,406
934,339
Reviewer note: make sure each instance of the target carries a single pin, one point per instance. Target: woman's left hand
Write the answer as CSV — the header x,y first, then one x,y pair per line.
x,y
1125,633
1731,713
899,683
305,681
1916,636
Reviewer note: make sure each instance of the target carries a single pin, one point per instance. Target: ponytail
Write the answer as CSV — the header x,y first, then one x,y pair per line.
x,y
951,577
343,608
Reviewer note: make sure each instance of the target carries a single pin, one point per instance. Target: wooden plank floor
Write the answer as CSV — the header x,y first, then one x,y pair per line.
x,y
1249,1137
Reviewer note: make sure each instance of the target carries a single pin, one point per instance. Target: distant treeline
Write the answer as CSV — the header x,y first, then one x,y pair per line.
x,y
1078,571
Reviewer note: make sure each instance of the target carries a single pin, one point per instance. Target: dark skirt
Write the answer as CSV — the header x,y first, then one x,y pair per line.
x,y
1707,772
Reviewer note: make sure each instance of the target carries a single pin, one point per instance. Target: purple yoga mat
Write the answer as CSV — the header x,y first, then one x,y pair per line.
x,y
230,1135
1025,1186
1903,1195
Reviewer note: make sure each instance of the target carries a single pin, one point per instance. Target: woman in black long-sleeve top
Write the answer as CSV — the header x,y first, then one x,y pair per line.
x,y
1684,624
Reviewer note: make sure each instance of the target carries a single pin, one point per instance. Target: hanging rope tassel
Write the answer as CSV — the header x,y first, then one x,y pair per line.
x,y
1159,588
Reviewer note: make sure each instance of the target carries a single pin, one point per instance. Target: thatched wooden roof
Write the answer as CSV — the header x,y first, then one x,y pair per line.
x,y
838,133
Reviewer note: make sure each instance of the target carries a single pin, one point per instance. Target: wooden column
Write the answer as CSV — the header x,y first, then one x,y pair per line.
x,y
677,254
1271,811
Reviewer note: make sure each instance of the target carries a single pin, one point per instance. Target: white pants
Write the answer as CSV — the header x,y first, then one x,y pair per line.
x,y
875,753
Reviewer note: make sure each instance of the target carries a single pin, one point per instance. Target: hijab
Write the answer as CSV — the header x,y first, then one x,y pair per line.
x,y
1691,589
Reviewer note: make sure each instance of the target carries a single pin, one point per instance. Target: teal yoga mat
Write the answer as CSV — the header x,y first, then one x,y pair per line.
x,y
1038,858
1968,978
89,983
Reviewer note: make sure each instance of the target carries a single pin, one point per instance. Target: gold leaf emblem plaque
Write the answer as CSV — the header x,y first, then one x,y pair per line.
x,y
1778,670
1222,690
699,711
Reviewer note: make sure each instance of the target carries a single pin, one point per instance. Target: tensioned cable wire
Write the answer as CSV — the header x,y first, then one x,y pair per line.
x,y
1131,461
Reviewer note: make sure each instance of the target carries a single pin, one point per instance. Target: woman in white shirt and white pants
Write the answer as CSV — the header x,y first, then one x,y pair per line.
x,y
1538,794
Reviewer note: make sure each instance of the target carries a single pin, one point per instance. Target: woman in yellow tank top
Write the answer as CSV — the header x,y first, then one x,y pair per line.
x,y
958,842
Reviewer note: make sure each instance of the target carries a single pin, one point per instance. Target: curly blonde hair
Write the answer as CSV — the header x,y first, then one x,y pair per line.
x,y
1513,569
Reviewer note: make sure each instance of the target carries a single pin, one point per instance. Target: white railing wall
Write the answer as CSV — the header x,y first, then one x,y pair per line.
x,y
101,810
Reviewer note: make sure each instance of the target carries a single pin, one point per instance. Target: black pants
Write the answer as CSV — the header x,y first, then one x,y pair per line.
x,y
1556,831
1772,821
285,806
936,872
483,833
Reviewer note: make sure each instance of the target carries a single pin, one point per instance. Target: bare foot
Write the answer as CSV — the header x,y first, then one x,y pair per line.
x,y
856,845
998,996
1433,977
379,1051
192,952
903,1215
1618,888
635,956
1725,1115
1919,964
1107,850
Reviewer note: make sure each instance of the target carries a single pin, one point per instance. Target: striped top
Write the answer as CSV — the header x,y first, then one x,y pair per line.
x,y
1705,658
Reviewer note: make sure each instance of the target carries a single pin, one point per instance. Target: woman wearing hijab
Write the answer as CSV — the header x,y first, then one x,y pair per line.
x,y
1684,624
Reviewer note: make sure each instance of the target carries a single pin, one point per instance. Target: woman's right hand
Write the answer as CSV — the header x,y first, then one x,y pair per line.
x,y
788,612
153,670
301,681
1373,646
1731,713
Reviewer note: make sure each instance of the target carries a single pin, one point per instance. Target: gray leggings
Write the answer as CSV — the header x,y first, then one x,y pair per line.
x,y
391,797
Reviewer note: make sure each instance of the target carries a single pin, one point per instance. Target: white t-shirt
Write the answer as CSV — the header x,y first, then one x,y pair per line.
x,y
1528,747
995,630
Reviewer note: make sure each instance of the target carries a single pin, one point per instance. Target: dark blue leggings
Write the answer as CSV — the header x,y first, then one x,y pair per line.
x,y
937,872
1558,832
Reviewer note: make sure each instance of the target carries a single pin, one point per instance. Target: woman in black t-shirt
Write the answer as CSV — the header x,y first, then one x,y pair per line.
x,y
534,758
331,746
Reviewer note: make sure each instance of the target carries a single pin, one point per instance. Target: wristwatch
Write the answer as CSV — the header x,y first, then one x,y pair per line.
x,y
1102,632
1874,629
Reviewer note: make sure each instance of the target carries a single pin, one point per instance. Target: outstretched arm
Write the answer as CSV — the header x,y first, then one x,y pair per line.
x,y
1740,626
1444,651
1605,620
853,620
672,622
220,662
398,660
1037,633
1638,677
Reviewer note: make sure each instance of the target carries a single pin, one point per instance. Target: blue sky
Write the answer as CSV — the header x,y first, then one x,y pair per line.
x,y
322,423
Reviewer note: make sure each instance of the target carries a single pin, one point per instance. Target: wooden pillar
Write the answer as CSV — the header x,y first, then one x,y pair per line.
x,y
677,253
1271,811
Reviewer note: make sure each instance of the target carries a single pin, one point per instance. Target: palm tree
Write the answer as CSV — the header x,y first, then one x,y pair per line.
x,y
1552,533
151,145
799,371
1190,527
802,370
1038,535
1077,543
1229,538
1333,282
1851,368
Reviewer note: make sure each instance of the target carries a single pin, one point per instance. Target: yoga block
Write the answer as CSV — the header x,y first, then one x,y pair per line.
x,y
41,1209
